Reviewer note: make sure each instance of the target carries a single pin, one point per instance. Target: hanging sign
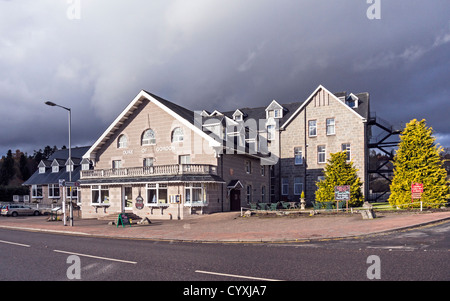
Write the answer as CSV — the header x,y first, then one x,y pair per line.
x,y
123,220
139,203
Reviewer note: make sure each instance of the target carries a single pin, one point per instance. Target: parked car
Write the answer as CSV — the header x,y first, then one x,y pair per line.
x,y
16,209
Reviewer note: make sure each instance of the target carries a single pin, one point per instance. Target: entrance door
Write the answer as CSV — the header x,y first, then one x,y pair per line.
x,y
127,198
235,200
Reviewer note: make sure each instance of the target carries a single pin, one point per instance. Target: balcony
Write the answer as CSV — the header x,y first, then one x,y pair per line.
x,y
161,170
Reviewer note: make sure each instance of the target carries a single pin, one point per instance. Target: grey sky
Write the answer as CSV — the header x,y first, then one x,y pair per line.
x,y
211,54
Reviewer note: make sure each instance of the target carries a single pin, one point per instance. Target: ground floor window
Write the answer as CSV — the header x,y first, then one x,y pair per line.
x,y
195,193
36,191
298,186
74,192
157,193
53,191
100,194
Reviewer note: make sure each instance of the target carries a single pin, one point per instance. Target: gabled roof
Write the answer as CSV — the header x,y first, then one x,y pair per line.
x,y
50,177
305,103
274,105
185,116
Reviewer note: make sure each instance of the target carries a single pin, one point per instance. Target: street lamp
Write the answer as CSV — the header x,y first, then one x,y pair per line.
x,y
52,104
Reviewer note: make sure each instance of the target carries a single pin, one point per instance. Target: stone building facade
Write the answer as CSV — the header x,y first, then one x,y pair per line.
x,y
163,161
156,162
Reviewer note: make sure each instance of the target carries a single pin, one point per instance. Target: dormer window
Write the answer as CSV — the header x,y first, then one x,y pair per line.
x,y
85,164
274,110
238,115
56,165
352,101
42,167
277,113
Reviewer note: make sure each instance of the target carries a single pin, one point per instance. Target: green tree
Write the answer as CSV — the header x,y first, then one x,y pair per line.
x,y
340,172
418,160
7,169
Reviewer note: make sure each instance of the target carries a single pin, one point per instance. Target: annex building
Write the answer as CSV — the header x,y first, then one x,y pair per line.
x,y
163,161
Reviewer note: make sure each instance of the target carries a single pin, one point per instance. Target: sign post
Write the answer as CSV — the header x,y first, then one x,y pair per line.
x,y
416,193
341,193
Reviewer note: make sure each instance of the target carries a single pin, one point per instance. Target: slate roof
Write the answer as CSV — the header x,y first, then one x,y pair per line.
x,y
50,177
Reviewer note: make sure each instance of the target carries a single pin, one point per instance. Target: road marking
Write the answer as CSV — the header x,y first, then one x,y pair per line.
x,y
236,276
97,257
14,243
390,248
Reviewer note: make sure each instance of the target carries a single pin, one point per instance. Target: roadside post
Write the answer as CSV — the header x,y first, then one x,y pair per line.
x,y
341,193
62,183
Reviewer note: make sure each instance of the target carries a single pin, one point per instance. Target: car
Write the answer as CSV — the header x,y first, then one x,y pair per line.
x,y
16,209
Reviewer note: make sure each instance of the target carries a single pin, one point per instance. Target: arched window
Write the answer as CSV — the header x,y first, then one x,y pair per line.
x,y
122,141
177,135
148,137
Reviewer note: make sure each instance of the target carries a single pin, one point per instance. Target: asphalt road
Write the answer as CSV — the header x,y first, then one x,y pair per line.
x,y
415,254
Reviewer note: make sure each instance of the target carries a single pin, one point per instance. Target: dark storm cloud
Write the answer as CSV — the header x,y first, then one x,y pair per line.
x,y
211,54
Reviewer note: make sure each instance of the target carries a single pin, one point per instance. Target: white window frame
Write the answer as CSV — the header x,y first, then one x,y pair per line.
x,y
53,191
321,154
75,192
148,162
298,156
298,185
36,191
158,197
312,128
331,126
148,137
122,141
184,159
200,190
55,168
347,148
41,170
249,194
177,135
270,132
103,195
116,164
248,166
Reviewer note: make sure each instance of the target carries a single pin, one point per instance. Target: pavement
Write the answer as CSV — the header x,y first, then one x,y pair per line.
x,y
231,227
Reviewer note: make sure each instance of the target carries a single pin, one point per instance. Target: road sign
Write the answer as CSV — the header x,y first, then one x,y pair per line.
x,y
416,190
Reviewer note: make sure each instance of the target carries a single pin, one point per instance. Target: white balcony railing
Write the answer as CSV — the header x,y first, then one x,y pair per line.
x,y
202,169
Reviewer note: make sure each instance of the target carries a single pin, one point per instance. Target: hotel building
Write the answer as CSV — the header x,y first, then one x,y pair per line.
x,y
163,161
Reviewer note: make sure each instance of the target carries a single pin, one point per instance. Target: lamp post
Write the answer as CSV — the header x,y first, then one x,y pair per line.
x,y
52,104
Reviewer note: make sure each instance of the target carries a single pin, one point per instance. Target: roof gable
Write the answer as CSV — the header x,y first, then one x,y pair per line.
x,y
185,116
308,100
